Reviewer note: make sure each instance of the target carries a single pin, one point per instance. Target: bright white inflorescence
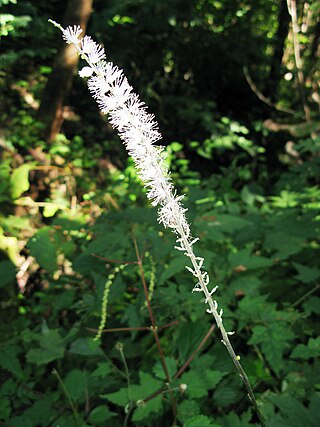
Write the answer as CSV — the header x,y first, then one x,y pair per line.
x,y
139,131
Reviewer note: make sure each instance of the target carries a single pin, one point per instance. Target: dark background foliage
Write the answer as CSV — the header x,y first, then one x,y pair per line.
x,y
239,116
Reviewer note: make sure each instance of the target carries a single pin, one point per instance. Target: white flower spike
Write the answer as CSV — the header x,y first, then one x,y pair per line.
x,y
139,132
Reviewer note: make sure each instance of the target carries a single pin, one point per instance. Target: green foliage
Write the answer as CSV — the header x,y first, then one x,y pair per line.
x,y
71,209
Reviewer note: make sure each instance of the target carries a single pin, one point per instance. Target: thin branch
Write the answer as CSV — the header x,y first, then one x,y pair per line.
x,y
292,8
305,296
154,327
260,95
193,354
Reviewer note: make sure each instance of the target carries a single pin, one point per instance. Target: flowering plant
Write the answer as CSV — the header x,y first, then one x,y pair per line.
x,y
139,132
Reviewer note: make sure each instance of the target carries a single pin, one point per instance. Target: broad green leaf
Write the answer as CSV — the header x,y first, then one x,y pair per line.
x,y
274,340
200,421
86,347
306,274
187,409
41,412
76,383
171,366
19,181
44,248
103,370
51,348
100,415
312,349
175,266
284,244
198,383
248,261
136,393
7,273
9,360
227,394
120,397
20,421
312,305
293,413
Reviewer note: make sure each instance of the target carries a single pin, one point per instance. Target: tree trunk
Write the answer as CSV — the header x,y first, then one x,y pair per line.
x,y
65,63
276,60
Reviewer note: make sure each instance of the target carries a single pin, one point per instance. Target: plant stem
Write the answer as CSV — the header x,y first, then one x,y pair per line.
x,y
72,405
154,327
217,317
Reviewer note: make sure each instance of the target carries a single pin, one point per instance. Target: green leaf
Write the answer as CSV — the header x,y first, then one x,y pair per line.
x,y
9,360
285,244
41,412
7,273
171,366
100,414
198,383
175,266
188,408
76,383
312,305
136,393
293,413
51,348
306,274
44,248
274,340
19,180
312,349
103,370
86,347
248,261
200,421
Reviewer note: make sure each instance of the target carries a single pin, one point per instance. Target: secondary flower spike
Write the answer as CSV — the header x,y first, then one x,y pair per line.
x,y
139,132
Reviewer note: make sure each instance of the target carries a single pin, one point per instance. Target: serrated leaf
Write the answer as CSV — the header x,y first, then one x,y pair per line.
x,y
9,360
171,366
198,383
175,266
51,348
136,393
200,421
100,414
120,397
274,340
86,347
187,409
103,370
312,349
306,274
76,382
294,413
312,305
248,261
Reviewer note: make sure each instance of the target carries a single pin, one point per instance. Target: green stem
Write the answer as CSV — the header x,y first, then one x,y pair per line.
x,y
71,403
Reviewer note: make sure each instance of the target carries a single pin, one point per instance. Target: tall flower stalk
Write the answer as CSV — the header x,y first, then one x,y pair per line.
x,y
139,132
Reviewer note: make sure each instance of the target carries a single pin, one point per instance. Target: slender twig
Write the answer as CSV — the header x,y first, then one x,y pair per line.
x,y
305,296
292,9
193,354
141,328
185,365
153,324
71,403
261,96
115,261
154,327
